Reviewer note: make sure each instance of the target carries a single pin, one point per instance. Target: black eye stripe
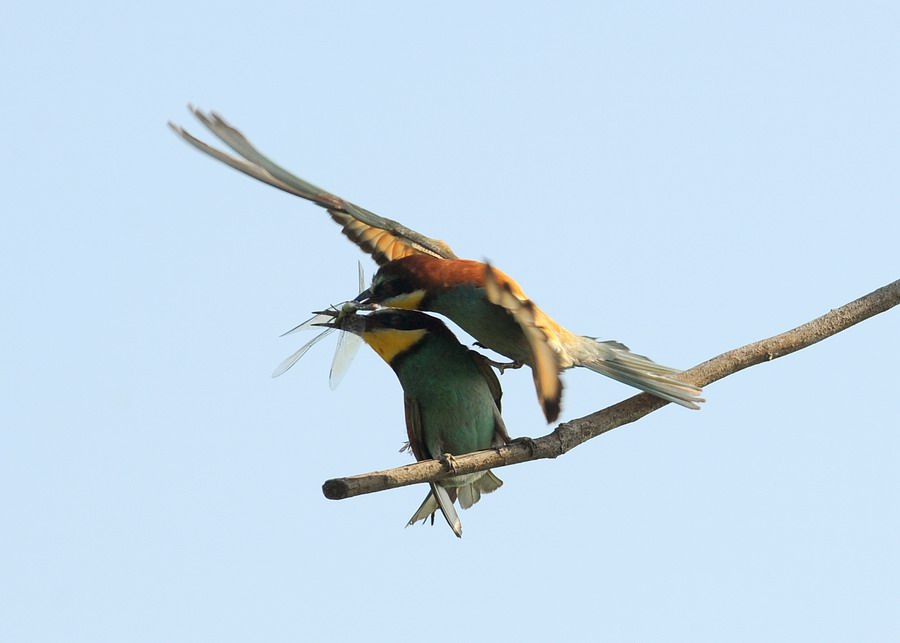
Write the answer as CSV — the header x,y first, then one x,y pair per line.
x,y
408,320
391,288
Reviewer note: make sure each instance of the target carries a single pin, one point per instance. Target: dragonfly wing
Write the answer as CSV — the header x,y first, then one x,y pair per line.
x,y
348,345
290,361
312,322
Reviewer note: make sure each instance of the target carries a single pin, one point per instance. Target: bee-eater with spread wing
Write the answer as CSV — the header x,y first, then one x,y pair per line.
x,y
420,273
451,396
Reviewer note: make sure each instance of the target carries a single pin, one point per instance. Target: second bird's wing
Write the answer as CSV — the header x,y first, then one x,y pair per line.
x,y
414,430
501,435
439,498
383,239
545,364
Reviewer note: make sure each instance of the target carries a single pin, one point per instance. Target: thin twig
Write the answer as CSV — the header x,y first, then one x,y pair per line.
x,y
570,434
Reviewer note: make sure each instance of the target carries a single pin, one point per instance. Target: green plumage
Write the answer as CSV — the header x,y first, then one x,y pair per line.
x,y
451,397
455,403
492,326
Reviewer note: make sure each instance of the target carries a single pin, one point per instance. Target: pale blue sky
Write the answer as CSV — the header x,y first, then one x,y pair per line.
x,y
683,177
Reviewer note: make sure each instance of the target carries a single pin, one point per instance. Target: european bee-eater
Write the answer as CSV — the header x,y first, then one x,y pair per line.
x,y
451,396
420,273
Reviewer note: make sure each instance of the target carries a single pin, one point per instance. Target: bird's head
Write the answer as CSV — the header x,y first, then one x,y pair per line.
x,y
391,332
401,283
411,282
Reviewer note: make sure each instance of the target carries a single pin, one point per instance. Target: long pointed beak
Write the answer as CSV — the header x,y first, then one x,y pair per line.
x,y
345,319
355,324
325,323
364,297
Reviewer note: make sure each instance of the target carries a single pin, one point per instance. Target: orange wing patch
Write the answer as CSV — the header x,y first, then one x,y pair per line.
x,y
382,245
504,292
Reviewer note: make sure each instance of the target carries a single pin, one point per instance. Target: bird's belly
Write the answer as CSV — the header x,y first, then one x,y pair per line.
x,y
458,418
456,433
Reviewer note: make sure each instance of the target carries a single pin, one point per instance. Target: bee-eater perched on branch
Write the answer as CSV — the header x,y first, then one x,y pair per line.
x,y
451,396
420,273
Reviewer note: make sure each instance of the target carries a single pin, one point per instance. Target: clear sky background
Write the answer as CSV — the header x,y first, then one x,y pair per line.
x,y
683,177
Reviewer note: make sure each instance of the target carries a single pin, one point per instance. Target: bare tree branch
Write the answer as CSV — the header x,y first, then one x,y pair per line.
x,y
570,434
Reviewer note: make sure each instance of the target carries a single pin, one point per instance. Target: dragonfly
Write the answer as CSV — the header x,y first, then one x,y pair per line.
x,y
347,346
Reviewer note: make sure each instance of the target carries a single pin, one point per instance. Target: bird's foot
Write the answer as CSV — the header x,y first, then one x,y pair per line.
x,y
502,366
449,462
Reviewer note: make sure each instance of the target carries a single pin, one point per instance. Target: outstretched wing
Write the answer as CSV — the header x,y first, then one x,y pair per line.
x,y
545,364
383,239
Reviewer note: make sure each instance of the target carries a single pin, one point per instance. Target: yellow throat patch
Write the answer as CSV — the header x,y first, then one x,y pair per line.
x,y
407,301
390,342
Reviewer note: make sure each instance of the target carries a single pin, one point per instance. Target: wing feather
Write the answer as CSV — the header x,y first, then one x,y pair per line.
x,y
414,429
391,239
501,436
440,497
545,363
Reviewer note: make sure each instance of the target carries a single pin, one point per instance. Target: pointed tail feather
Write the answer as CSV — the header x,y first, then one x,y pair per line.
x,y
616,361
442,498
427,508
438,498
